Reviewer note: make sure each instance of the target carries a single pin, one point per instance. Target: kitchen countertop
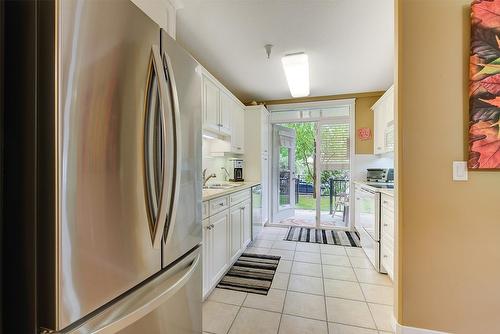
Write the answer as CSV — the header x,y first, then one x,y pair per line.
x,y
209,194
386,191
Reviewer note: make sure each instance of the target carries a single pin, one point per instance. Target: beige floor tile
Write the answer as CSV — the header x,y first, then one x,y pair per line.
x,y
227,296
217,317
378,294
382,314
263,243
251,321
272,302
339,272
284,266
333,250
256,250
335,260
296,325
349,312
384,332
345,329
343,289
361,262
267,236
285,245
306,284
307,247
285,254
355,251
306,269
307,257
372,277
305,305
280,281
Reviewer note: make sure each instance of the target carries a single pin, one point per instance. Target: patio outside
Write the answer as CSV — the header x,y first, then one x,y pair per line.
x,y
334,184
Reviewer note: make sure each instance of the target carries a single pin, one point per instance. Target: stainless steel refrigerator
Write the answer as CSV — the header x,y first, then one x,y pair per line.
x,y
119,173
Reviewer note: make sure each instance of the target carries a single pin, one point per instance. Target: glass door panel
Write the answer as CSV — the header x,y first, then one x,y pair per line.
x,y
333,168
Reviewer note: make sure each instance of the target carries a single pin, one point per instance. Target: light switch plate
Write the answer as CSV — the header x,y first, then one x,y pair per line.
x,y
460,171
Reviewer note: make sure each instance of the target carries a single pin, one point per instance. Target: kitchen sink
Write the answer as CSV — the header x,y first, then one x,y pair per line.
x,y
219,186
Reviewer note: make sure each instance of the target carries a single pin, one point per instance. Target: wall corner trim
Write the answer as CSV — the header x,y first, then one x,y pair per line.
x,y
400,329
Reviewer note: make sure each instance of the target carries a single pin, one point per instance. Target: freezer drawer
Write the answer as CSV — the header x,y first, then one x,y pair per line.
x,y
170,303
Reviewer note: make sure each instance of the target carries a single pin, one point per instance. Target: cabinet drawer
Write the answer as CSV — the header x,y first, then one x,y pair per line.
x,y
387,202
205,210
387,260
240,196
387,222
218,205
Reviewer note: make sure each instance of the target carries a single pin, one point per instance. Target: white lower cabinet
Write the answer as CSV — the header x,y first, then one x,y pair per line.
x,y
226,234
215,248
236,232
387,234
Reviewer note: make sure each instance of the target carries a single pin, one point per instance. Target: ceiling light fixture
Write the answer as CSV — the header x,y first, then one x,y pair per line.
x,y
296,68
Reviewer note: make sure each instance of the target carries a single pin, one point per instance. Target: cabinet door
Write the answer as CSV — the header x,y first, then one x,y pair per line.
x,y
379,128
246,217
211,105
237,129
219,245
265,187
226,106
235,232
207,258
264,141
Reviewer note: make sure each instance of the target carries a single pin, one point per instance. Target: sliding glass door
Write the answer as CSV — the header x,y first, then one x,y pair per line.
x,y
311,172
333,170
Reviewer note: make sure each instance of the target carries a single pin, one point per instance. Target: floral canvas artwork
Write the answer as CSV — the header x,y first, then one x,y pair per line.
x,y
484,88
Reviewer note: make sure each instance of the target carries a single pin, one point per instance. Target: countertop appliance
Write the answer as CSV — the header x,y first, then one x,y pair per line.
x,y
118,177
236,170
383,175
257,224
367,223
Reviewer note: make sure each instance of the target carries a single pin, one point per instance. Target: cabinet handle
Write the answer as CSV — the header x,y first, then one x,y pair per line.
x,y
209,227
385,202
386,225
358,198
212,226
221,204
385,256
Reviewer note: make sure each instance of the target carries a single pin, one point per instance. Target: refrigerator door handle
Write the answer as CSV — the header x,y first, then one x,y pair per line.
x,y
159,169
175,114
139,304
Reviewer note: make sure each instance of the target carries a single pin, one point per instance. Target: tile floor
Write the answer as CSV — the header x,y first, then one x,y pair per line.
x,y
317,289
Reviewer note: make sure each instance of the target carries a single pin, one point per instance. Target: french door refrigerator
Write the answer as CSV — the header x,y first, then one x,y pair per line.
x,y
119,173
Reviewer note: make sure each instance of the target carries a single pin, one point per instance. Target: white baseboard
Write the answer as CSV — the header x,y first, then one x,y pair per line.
x,y
400,329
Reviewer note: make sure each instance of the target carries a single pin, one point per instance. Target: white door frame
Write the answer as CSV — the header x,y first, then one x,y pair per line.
x,y
298,116
289,211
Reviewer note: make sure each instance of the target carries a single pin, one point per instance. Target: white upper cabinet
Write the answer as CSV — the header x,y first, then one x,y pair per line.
x,y
211,102
238,129
223,114
383,116
226,109
163,12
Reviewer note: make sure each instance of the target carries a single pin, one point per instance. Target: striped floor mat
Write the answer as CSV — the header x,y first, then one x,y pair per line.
x,y
304,234
251,273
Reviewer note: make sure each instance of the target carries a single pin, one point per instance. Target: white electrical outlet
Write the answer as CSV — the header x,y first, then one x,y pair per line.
x,y
460,171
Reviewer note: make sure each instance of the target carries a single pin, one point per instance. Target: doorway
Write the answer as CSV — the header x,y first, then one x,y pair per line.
x,y
311,166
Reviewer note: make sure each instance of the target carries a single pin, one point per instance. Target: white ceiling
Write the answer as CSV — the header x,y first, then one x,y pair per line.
x,y
350,43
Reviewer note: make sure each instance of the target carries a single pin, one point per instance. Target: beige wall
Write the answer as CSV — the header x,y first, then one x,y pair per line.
x,y
364,116
450,231
364,119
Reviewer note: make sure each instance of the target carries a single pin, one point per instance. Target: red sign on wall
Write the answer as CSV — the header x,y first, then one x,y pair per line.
x,y
364,133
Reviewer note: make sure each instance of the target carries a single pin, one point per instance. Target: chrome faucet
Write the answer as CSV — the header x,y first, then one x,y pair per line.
x,y
227,173
205,178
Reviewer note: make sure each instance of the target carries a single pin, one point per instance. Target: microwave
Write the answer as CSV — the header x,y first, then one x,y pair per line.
x,y
383,175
